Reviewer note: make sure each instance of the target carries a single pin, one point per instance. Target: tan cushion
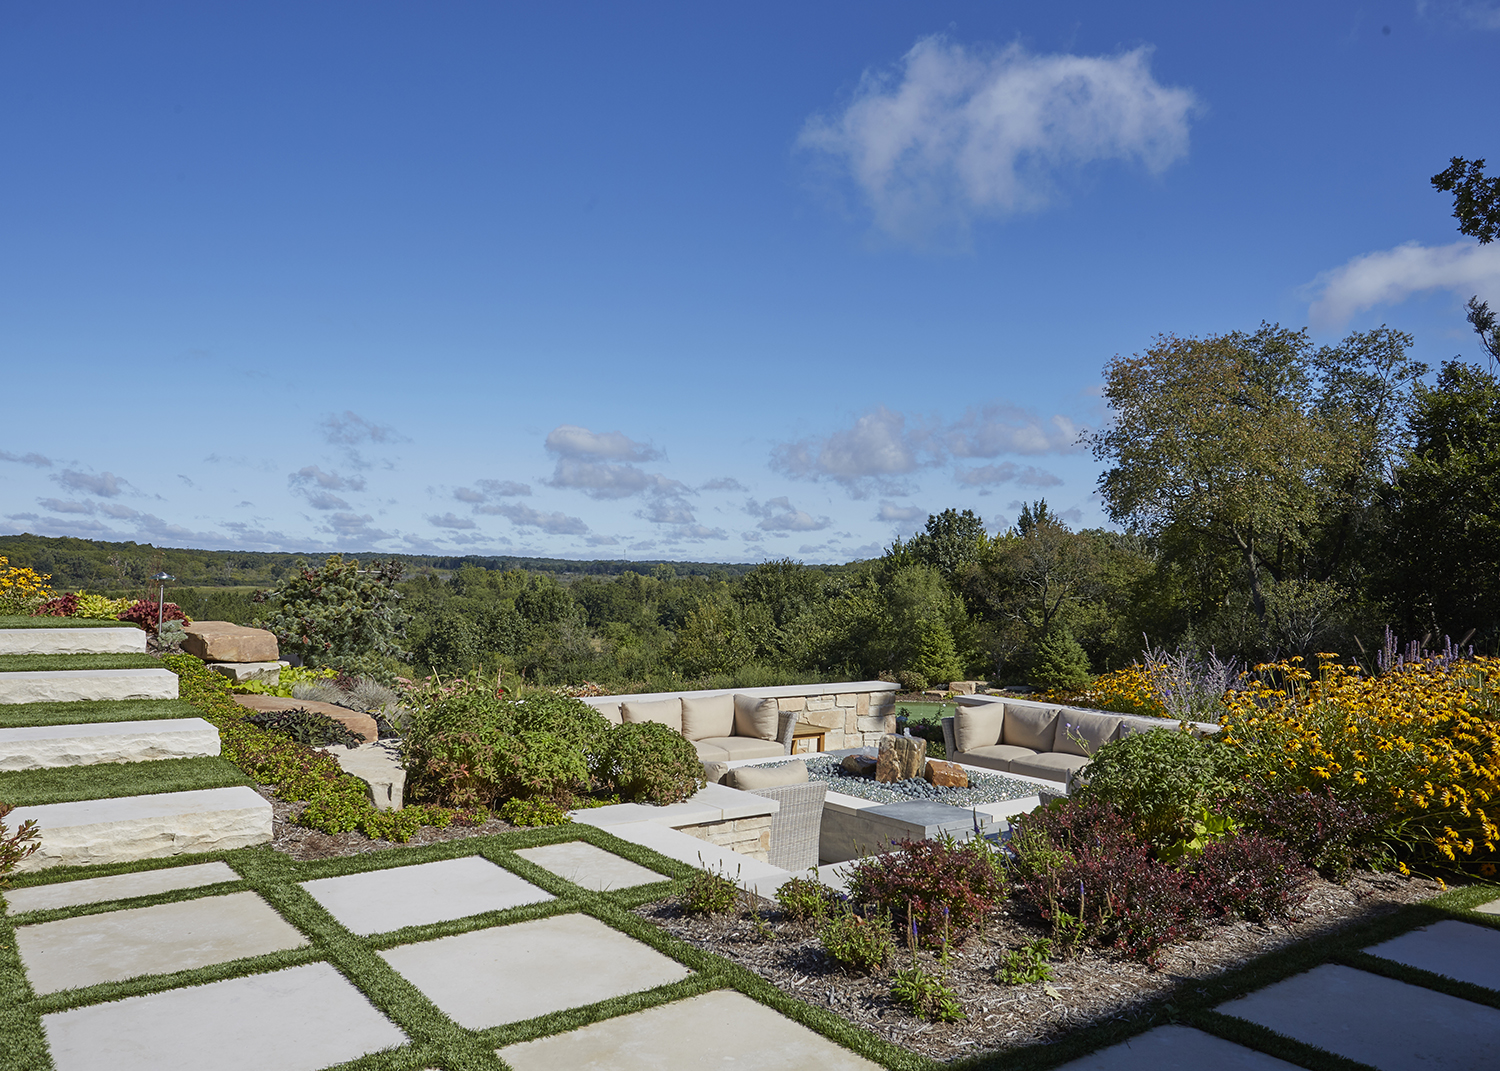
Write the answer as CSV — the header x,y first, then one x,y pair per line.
x,y
1082,733
749,778
666,711
1025,726
713,772
1054,766
742,747
975,727
610,710
708,752
756,717
995,756
711,715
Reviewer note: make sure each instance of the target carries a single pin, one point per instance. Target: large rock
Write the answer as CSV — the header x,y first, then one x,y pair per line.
x,y
123,640
220,641
239,672
360,724
942,774
859,765
49,746
900,758
378,765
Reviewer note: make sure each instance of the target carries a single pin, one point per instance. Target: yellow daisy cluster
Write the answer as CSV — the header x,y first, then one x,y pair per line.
x,y
1420,744
21,590
1124,691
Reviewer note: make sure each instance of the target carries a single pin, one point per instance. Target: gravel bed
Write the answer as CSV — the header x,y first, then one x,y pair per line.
x,y
983,787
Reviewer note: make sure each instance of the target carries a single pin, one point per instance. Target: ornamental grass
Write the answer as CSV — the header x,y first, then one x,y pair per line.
x,y
1418,746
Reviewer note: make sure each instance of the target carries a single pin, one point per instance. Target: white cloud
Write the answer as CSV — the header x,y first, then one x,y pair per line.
x,y
450,520
601,541
1006,472
724,483
325,500
57,505
105,484
958,133
569,440
552,523
350,428
891,512
599,479
1393,275
35,460
329,481
1001,428
779,515
484,490
355,528
877,447
695,533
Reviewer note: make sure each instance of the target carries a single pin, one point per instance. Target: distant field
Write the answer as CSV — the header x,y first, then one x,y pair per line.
x,y
926,711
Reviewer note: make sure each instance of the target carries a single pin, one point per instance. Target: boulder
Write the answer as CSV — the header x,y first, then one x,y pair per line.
x,y
220,641
942,774
239,672
900,758
859,765
361,725
964,687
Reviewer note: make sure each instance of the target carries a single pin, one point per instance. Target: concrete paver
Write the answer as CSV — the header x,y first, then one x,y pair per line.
x,y
298,1019
118,887
593,868
719,1029
115,945
1177,1048
1378,1021
1459,950
383,900
508,973
1491,908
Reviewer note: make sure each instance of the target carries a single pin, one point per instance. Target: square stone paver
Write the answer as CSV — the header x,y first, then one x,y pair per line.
x,y
1378,1021
593,868
385,900
119,887
1459,950
719,1029
298,1019
1491,908
110,947
508,973
1177,1048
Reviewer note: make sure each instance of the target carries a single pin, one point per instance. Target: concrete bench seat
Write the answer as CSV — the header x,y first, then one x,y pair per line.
x,y
49,746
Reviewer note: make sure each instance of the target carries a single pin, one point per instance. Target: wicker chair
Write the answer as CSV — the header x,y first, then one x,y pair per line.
x,y
795,829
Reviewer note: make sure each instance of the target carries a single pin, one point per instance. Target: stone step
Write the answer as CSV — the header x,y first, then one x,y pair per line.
x,y
125,640
47,746
122,830
73,685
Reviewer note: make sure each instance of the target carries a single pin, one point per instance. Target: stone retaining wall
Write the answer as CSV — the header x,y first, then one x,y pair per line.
x,y
748,836
850,713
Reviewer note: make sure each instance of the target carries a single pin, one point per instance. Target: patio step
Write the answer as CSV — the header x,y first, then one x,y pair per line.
x,y
146,827
51,746
47,641
74,685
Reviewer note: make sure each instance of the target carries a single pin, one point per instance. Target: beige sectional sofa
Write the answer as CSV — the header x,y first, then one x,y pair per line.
x,y
1038,739
722,727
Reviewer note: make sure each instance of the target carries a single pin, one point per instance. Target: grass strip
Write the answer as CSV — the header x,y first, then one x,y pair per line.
x,y
39,663
19,715
111,780
1262,1039
12,621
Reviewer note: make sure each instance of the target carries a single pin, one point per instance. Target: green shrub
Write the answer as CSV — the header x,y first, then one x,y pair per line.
x,y
1021,966
534,813
17,846
927,993
649,763
807,900
344,614
861,944
306,727
709,893
1060,662
1162,779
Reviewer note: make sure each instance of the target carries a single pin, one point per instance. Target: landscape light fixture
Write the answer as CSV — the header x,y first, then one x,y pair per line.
x,y
161,596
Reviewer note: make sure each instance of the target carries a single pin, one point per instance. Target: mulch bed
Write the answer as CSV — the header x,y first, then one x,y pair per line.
x,y
1090,988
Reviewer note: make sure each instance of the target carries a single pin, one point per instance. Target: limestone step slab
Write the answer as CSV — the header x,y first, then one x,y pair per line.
x,y
146,827
78,685
47,641
47,746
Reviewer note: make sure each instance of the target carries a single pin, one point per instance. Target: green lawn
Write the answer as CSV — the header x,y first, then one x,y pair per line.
x,y
28,663
10,621
111,780
927,711
16,715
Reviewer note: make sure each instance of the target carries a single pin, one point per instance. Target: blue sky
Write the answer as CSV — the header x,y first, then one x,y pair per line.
x,y
709,282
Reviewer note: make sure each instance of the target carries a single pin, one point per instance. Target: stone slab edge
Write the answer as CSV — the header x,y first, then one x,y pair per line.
x,y
50,641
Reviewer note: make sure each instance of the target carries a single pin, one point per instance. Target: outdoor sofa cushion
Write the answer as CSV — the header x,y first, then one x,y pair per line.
x,y
995,756
707,715
750,778
1082,733
756,717
666,711
725,748
1052,766
977,727
1026,726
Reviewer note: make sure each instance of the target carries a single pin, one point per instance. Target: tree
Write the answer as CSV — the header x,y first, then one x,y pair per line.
x,y
950,542
1256,450
345,614
1476,206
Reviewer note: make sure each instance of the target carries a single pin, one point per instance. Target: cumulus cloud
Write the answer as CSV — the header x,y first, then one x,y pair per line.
x,y
104,484
779,515
312,475
601,541
599,479
724,483
350,429
325,500
1391,276
35,460
889,511
569,440
695,533
1000,428
1006,472
450,520
351,527
878,447
523,516
57,505
952,134
485,490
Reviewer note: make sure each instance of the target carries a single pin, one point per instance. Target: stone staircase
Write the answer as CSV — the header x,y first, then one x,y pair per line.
x,y
126,828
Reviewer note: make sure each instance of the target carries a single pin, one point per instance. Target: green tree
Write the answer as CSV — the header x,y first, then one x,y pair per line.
x,y
345,614
950,542
1060,662
1476,206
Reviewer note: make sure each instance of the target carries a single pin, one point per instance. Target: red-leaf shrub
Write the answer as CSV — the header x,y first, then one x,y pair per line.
x,y
1328,834
143,612
947,886
62,606
1251,876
